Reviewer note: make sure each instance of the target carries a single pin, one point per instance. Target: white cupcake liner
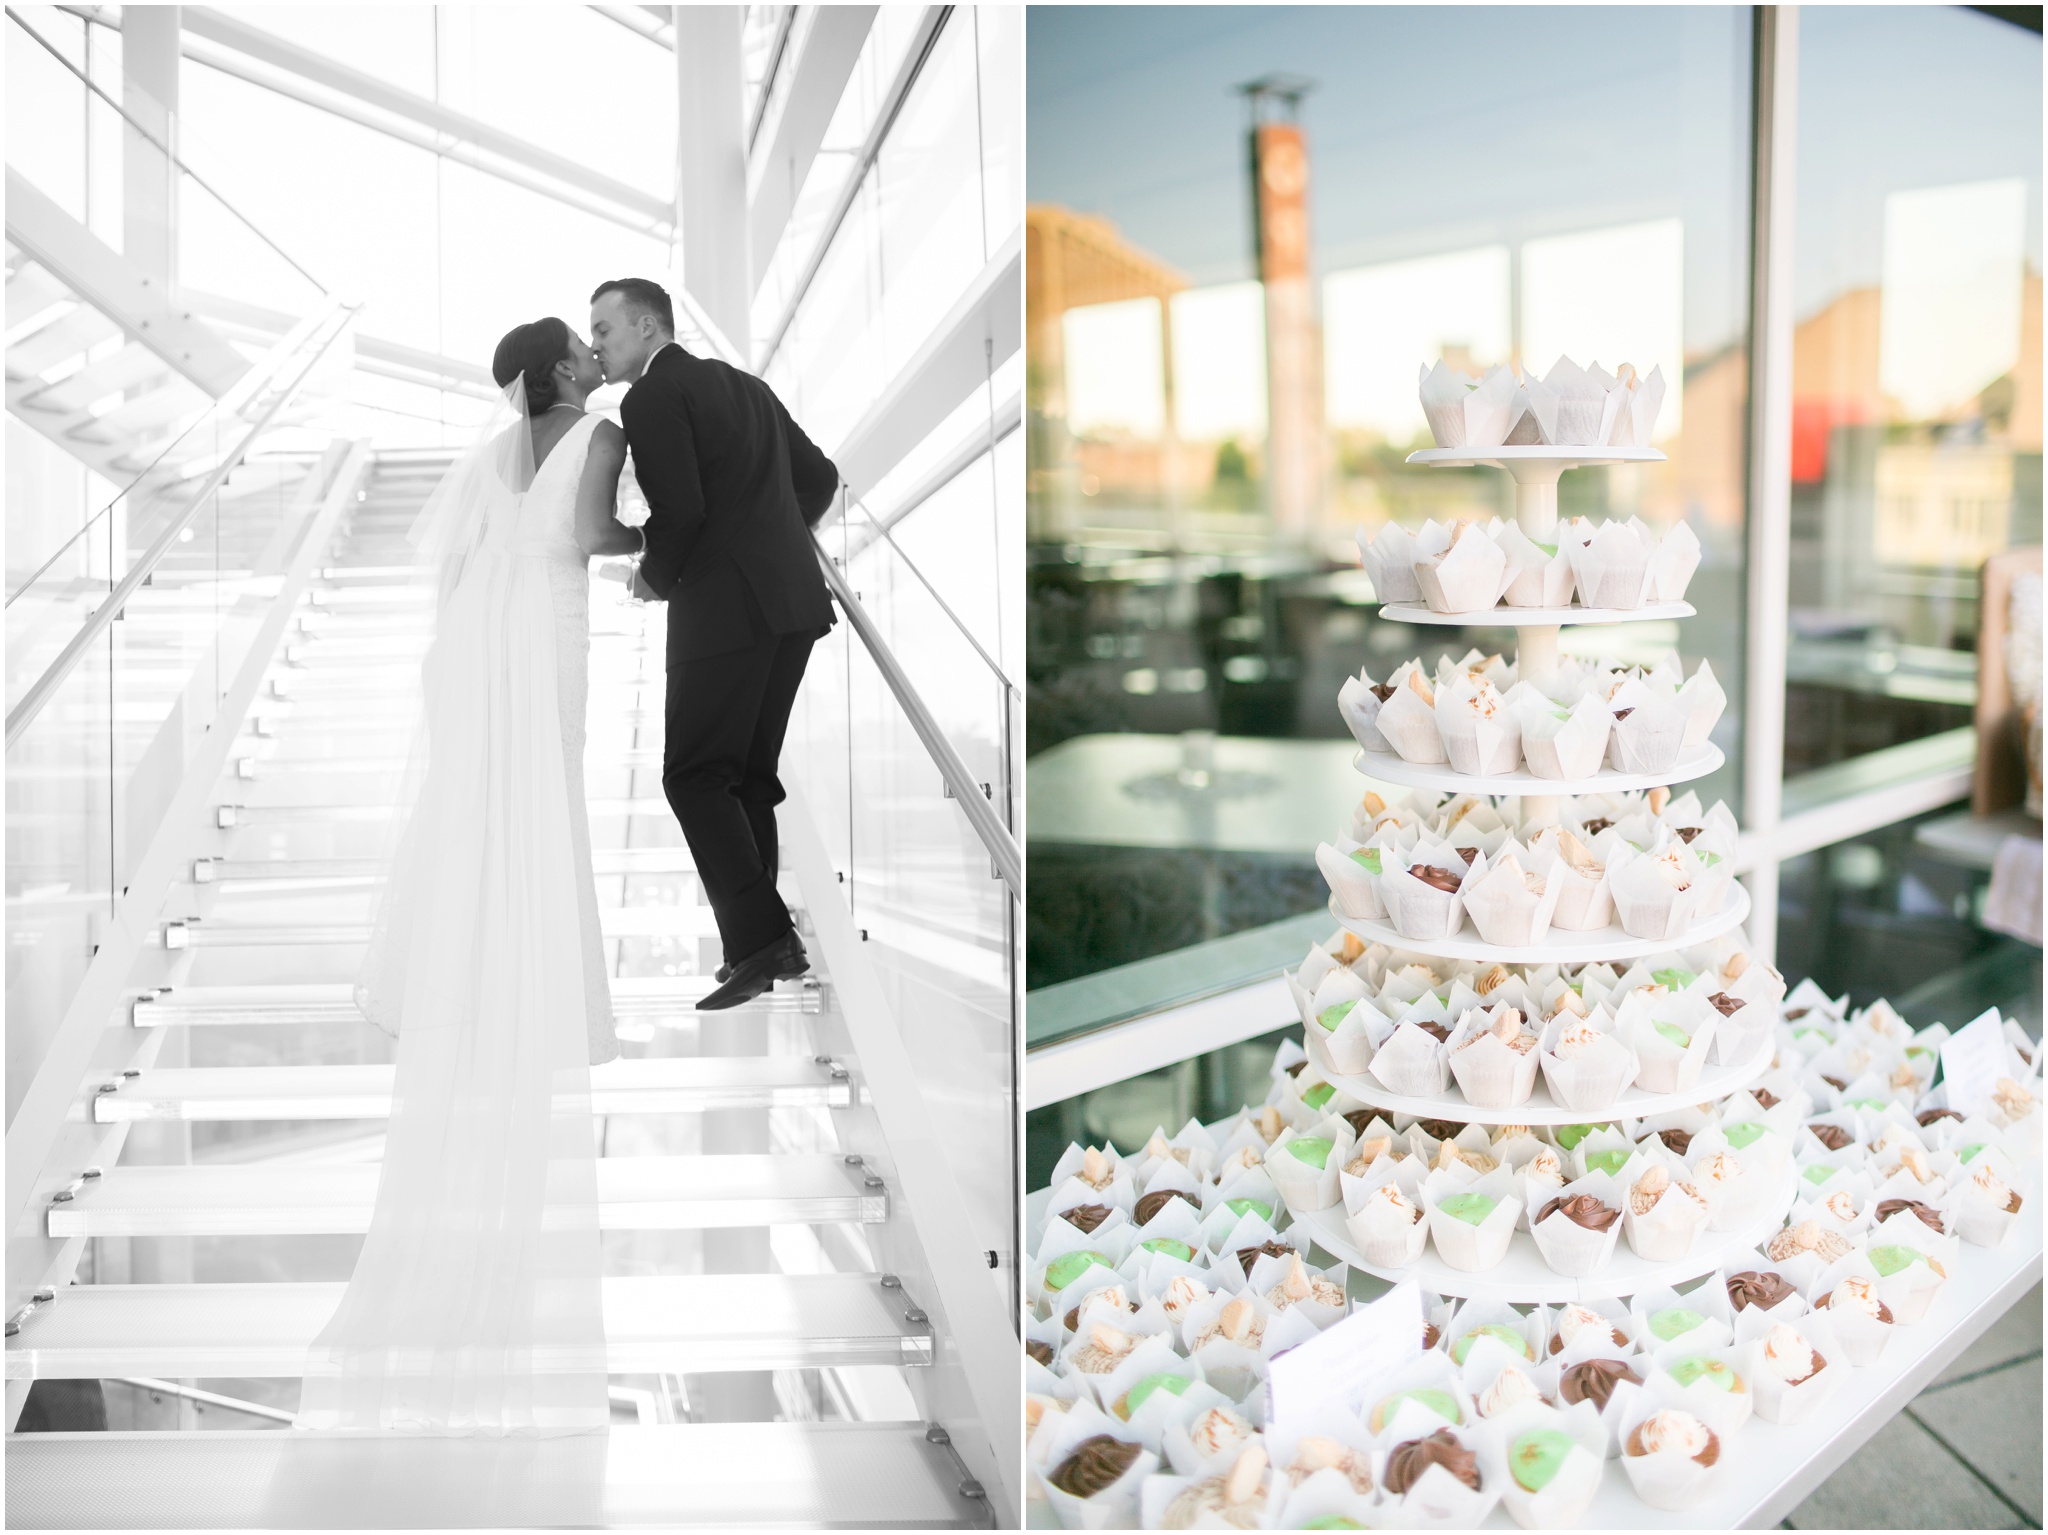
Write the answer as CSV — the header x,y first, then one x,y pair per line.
x,y
1571,1491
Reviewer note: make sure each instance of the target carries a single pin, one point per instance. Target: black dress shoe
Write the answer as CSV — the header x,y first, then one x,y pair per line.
x,y
782,960
723,974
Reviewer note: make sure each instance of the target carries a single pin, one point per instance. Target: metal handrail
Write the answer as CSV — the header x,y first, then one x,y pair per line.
x,y
334,322
168,153
981,813
882,529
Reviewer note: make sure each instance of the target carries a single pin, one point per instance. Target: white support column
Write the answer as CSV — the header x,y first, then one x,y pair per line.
x,y
1770,452
149,94
711,169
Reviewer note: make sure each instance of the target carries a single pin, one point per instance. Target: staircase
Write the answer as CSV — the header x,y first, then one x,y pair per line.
x,y
778,1395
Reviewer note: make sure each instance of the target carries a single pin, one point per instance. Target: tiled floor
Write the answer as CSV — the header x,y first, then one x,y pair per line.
x,y
1965,1456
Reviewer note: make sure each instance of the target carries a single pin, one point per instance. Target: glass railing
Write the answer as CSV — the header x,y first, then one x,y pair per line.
x,y
119,649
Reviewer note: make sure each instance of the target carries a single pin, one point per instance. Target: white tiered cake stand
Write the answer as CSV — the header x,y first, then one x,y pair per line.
x,y
1523,1276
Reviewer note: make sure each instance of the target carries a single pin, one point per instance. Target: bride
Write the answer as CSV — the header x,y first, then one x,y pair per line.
x,y
476,1304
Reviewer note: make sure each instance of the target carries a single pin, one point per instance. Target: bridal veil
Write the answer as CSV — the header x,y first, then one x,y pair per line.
x,y
476,1305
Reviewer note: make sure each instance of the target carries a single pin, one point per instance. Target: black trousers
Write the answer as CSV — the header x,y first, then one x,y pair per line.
x,y
726,718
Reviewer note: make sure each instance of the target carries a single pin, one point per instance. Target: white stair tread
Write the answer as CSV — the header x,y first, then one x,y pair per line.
x,y
634,1194
605,861
660,1085
667,1323
675,921
696,1475
335,1001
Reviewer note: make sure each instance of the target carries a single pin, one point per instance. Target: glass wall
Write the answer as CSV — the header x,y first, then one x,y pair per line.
x,y
927,555
1173,594
1916,427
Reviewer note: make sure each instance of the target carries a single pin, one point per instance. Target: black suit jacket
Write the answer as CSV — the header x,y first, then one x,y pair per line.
x,y
733,490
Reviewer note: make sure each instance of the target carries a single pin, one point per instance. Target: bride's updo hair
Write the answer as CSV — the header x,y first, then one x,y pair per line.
x,y
532,349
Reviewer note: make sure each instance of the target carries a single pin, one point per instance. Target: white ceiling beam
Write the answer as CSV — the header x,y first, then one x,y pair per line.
x,y
119,289
831,45
982,331
637,19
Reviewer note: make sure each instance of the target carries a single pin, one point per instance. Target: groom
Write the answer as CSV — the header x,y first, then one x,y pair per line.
x,y
733,489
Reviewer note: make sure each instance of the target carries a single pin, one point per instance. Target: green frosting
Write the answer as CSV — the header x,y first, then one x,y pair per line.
x,y
1330,1017
1875,1105
1499,1334
1468,1207
1674,1322
1888,1260
1743,1134
1809,1034
1918,1050
1698,1367
1971,1150
1367,858
1673,977
1442,1403
1535,1457
1707,857
1613,1160
1674,1033
1312,1149
1257,1207
1068,1267
1315,1098
1333,1522
1135,1397
1549,549
1569,1136
1171,1246
1820,1172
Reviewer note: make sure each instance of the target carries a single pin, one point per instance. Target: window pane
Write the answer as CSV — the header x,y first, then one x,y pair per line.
x,y
1172,589
1916,428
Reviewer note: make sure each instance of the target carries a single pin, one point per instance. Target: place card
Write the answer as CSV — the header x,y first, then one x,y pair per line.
x,y
1972,1060
1335,1371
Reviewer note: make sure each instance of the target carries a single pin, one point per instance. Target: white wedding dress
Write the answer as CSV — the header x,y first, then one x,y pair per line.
x,y
476,1305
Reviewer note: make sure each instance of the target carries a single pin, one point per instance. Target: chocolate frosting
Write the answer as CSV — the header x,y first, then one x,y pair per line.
x,y
1750,1288
1085,1217
1440,1129
1042,1352
1594,1380
1430,1336
1929,1216
1469,854
1074,1316
1597,825
1096,1465
1383,691
1687,833
1622,714
1726,1005
1248,1256
1935,1116
1836,1083
1581,1210
1358,1119
1435,878
1834,1137
1435,1031
1765,1098
1155,1201
1678,1140
1406,1462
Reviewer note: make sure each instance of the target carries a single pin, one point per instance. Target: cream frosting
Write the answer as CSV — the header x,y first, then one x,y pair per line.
x,y
1510,1389
1789,1356
1670,1430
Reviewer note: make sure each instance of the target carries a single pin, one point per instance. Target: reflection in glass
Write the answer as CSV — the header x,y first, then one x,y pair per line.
x,y
1916,427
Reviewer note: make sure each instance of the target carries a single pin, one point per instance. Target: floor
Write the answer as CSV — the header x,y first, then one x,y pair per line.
x,y
1965,1456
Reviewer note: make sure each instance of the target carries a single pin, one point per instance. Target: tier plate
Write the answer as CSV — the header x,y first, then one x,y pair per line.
x,y
1562,454
1608,943
1391,767
1715,1083
1534,618
1525,1279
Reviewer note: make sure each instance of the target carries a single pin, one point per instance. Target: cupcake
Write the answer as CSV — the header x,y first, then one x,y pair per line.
x,y
1985,1208
1303,1284
1594,1380
1409,1462
1507,1337
1670,1457
1443,1404
1471,1225
1663,1216
1763,1290
1238,1499
1863,1323
1791,1375
1510,1389
1711,1388
1388,1228
1579,1324
1553,1464
1576,1231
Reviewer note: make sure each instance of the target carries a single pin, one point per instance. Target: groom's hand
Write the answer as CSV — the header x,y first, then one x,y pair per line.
x,y
642,590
